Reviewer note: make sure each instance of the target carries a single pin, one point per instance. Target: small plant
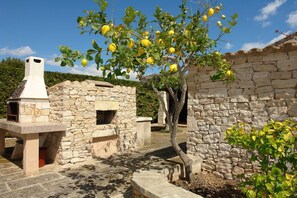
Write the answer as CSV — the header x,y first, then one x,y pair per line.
x,y
275,148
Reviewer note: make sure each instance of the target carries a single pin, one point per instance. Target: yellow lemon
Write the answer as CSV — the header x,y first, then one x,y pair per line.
x,y
217,9
150,60
173,68
205,18
160,41
112,25
171,32
128,70
171,50
145,42
81,22
223,16
112,47
146,33
217,53
105,29
210,11
187,33
157,33
84,62
131,43
219,23
229,73
140,51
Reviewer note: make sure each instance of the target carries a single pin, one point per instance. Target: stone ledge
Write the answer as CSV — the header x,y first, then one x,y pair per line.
x,y
144,119
152,184
28,128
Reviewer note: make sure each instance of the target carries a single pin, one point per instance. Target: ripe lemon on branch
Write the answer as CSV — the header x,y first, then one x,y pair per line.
x,y
173,68
210,11
171,50
112,47
146,42
150,60
84,62
131,43
105,29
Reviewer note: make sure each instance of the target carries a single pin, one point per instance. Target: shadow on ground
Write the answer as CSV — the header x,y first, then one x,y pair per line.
x,y
112,175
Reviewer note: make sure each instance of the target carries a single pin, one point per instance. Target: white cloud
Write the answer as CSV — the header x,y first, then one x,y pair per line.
x,y
259,44
281,36
92,71
21,51
228,46
89,70
292,19
248,46
267,11
52,61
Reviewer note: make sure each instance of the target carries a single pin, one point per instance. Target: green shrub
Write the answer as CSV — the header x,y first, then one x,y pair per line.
x,y
274,147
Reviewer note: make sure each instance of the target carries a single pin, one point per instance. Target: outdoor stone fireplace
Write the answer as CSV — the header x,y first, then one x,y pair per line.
x,y
29,102
100,120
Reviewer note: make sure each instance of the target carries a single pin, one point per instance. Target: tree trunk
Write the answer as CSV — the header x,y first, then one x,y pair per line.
x,y
172,122
186,160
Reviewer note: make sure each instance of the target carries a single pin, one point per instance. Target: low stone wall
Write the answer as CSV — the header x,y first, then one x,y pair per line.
x,y
143,129
76,104
265,90
156,183
151,184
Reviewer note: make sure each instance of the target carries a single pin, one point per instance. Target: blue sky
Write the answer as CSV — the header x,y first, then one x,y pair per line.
x,y
37,28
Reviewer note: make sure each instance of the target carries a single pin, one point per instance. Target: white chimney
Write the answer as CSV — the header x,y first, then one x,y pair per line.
x,y
34,77
29,102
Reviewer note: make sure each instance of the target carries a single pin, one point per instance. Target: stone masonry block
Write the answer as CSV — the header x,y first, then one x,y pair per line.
x,y
290,83
262,67
287,65
264,89
281,75
275,56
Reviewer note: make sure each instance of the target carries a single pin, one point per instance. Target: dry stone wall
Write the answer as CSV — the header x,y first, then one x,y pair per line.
x,y
265,90
74,104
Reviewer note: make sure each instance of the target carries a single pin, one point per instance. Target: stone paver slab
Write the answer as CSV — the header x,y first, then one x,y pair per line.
x,y
24,192
12,169
13,185
6,165
12,176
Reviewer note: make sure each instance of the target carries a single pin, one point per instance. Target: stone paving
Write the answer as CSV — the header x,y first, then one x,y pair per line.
x,y
95,178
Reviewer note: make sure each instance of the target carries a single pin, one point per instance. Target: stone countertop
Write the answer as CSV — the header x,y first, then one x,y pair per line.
x,y
28,128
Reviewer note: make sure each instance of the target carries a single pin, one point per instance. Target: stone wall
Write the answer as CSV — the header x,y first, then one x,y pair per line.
x,y
75,104
265,90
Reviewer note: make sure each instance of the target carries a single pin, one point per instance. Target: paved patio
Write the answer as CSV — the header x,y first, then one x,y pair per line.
x,y
96,178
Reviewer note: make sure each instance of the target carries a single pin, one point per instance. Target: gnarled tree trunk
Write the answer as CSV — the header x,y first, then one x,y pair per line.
x,y
172,121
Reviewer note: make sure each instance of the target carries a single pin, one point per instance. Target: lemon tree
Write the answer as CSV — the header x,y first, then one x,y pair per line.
x,y
168,44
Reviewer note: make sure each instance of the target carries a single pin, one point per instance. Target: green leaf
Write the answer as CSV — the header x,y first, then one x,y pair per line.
x,y
98,59
102,4
63,63
130,15
95,45
269,187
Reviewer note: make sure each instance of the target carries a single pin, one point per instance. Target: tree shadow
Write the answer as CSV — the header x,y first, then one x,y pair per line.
x,y
112,175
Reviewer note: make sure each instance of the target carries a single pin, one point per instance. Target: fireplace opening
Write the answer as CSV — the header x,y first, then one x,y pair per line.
x,y
104,117
13,111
